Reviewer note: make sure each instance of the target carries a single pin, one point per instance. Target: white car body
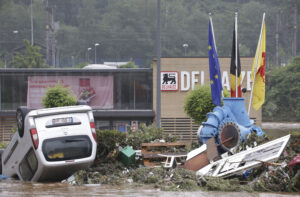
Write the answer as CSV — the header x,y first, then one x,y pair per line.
x,y
56,143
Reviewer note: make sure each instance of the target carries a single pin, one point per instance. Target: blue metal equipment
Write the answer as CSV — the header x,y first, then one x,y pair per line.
x,y
229,125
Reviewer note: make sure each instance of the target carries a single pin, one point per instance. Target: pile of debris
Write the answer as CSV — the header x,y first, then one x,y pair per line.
x,y
261,174
235,155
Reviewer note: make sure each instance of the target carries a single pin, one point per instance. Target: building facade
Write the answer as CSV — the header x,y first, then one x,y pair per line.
x,y
178,77
120,98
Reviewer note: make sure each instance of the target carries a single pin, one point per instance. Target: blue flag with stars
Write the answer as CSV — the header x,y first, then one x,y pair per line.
x,y
214,69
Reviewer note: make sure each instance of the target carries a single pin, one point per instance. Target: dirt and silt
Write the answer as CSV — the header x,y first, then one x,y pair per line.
x,y
269,177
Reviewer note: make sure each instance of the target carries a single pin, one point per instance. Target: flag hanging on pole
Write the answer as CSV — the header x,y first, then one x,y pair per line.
x,y
259,68
214,68
235,71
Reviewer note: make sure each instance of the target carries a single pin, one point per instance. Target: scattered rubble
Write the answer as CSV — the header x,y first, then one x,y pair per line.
x,y
273,176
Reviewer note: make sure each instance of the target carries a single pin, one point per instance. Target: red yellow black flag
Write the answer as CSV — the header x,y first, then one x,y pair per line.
x,y
233,70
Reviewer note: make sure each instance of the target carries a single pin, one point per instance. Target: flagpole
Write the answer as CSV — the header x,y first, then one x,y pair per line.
x,y
254,74
236,58
213,34
212,29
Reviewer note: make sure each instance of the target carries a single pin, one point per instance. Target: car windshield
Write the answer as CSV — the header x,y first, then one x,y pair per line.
x,y
67,148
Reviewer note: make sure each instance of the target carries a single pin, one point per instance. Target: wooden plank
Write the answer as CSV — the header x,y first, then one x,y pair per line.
x,y
167,144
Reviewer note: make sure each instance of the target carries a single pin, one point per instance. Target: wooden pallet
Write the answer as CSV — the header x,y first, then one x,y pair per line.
x,y
153,152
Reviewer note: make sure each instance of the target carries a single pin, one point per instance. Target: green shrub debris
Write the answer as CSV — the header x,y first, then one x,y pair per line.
x,y
108,170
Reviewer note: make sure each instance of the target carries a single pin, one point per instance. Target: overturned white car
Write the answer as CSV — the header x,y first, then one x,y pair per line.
x,y
51,143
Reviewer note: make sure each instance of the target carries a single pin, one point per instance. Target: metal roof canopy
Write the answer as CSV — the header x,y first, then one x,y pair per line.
x,y
58,71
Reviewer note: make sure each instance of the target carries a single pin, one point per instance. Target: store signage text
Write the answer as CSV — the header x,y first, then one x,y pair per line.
x,y
188,80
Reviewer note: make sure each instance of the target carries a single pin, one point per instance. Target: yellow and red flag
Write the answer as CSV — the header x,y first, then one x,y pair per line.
x,y
259,69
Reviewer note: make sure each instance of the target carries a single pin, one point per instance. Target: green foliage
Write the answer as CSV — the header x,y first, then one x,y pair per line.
x,y
126,29
110,140
32,58
59,96
144,134
81,65
3,145
178,179
220,184
129,65
2,64
199,102
283,93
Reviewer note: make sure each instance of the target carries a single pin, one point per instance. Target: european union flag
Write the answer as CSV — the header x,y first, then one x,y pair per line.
x,y
214,69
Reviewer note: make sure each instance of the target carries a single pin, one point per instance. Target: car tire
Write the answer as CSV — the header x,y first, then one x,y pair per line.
x,y
20,115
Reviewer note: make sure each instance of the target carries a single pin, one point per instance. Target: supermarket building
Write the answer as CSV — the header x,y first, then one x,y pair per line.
x,y
120,98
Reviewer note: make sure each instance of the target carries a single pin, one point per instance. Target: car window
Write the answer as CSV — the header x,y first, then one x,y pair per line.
x,y
28,165
32,161
67,148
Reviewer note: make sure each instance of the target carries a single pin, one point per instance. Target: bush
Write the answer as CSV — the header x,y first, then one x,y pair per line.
x,y
59,96
199,102
144,134
3,145
110,140
108,143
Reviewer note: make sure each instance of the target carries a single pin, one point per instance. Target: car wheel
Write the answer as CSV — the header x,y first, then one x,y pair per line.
x,y
21,114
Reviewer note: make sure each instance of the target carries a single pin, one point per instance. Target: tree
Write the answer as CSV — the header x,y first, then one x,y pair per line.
x,y
129,65
199,102
283,93
32,58
59,96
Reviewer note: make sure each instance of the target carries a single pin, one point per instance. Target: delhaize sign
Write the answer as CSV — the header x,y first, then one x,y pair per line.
x,y
97,91
189,79
169,80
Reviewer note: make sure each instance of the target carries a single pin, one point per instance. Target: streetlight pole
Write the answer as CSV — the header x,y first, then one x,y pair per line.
x,y
158,77
15,32
96,44
31,20
185,46
88,49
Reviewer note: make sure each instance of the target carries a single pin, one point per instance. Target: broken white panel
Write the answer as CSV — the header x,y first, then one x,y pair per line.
x,y
247,159
196,152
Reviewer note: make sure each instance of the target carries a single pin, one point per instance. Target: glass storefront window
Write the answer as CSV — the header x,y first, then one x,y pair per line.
x,y
103,124
116,90
133,91
13,92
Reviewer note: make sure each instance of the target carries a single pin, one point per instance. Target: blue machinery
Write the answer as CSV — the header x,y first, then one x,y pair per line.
x,y
229,125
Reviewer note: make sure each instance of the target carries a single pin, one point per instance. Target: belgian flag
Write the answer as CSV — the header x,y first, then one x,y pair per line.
x,y
233,71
